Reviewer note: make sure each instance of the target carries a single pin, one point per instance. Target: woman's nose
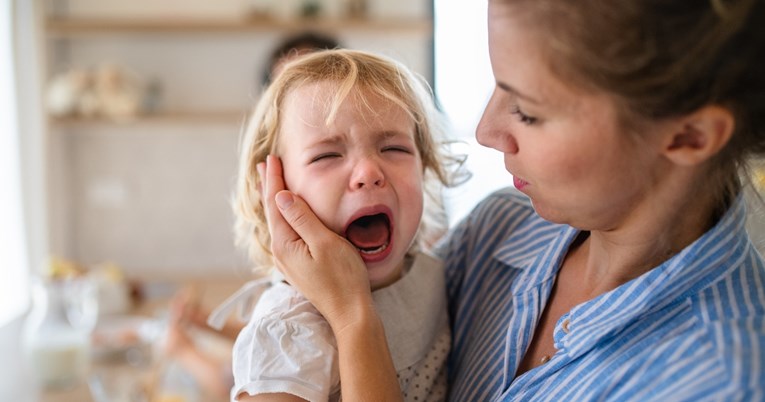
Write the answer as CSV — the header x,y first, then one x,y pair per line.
x,y
495,137
493,130
367,173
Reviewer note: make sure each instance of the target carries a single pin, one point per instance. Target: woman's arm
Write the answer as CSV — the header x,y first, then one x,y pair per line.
x,y
329,272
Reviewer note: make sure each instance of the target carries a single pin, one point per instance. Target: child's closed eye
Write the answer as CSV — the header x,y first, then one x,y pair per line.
x,y
325,156
397,148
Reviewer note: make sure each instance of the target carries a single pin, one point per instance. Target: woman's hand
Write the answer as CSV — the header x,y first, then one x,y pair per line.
x,y
324,266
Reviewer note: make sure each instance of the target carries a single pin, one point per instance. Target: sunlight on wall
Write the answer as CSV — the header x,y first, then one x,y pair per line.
x,y
463,84
13,253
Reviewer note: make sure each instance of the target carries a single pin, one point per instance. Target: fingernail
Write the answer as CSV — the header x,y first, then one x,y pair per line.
x,y
284,199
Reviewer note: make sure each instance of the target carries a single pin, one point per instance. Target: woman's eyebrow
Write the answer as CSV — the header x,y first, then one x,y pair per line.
x,y
507,88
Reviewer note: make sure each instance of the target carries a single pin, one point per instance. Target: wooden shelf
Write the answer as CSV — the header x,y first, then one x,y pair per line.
x,y
65,27
153,118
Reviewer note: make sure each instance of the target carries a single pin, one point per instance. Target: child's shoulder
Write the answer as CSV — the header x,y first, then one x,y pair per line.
x,y
280,299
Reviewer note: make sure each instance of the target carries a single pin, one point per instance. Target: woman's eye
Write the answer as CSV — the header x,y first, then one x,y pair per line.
x,y
324,156
523,117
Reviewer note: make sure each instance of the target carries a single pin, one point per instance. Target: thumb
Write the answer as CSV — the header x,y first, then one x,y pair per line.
x,y
301,218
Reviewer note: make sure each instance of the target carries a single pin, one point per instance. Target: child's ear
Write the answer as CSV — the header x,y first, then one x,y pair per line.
x,y
697,137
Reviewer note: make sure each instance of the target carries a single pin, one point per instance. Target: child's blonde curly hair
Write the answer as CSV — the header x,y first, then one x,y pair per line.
x,y
372,75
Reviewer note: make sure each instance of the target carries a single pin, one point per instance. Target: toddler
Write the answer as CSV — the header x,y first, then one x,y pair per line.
x,y
357,137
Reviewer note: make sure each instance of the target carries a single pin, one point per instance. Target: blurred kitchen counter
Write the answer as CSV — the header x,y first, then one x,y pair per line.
x,y
151,301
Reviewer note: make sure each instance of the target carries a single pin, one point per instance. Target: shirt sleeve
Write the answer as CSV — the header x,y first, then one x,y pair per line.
x,y
287,347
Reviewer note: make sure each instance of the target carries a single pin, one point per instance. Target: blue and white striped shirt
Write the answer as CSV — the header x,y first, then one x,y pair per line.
x,y
690,329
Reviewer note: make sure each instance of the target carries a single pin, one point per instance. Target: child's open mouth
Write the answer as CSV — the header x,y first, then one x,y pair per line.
x,y
371,235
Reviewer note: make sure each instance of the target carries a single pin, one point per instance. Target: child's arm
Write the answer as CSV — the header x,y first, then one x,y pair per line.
x,y
329,272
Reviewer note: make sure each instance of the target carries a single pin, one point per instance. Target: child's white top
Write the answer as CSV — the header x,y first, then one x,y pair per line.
x,y
287,346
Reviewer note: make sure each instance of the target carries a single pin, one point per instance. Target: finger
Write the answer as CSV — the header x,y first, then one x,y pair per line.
x,y
281,231
296,212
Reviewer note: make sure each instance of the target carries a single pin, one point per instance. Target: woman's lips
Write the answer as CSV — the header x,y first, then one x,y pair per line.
x,y
519,183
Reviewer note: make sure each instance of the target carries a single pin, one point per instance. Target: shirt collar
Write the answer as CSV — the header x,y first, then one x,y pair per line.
x,y
701,264
537,248
542,245
536,243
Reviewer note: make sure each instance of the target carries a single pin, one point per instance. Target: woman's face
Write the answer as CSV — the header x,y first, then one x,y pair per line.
x,y
563,145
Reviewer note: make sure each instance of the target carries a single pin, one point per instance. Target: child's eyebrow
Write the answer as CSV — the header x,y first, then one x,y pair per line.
x,y
383,135
393,134
326,141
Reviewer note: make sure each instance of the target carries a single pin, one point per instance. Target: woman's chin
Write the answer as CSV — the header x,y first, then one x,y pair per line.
x,y
547,213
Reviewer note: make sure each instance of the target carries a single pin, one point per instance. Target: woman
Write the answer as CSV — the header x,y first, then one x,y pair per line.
x,y
625,273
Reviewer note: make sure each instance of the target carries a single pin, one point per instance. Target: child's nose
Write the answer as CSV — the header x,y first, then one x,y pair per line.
x,y
367,173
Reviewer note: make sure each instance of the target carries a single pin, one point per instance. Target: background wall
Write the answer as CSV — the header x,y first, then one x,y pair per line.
x,y
152,194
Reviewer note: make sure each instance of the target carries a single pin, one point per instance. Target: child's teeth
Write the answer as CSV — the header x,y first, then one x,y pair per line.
x,y
375,251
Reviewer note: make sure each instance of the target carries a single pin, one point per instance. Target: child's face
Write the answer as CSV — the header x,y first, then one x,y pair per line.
x,y
362,175
564,146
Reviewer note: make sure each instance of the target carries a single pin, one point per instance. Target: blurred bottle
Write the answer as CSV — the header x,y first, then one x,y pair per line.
x,y
57,331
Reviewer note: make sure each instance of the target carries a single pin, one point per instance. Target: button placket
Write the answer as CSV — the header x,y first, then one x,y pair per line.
x,y
562,329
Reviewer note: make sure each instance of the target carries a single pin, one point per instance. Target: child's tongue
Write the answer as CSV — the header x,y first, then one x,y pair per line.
x,y
368,232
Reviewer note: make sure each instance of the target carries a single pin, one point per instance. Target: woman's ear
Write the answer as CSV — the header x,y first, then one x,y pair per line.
x,y
697,137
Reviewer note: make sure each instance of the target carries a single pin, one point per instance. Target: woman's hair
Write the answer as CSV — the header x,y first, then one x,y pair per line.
x,y
348,70
663,59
